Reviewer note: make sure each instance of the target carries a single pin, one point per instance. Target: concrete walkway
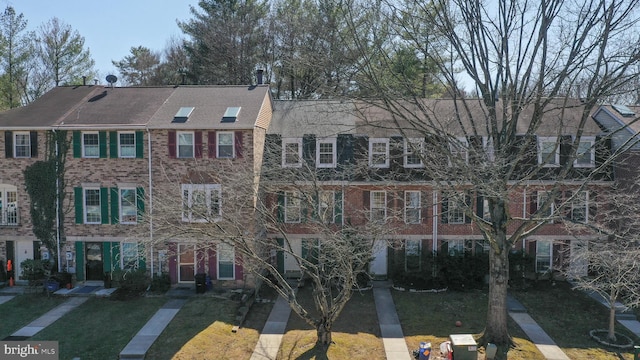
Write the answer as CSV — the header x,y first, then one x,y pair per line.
x,y
142,341
271,335
539,337
49,318
395,346
5,298
624,315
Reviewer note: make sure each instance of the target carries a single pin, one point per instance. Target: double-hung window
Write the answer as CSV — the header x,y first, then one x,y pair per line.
x,y
127,144
412,255
128,205
585,154
21,145
130,256
326,153
379,152
292,207
579,207
92,209
453,207
292,152
226,260
412,207
543,199
413,149
548,151
225,148
185,144
326,206
459,149
90,145
378,206
544,253
201,202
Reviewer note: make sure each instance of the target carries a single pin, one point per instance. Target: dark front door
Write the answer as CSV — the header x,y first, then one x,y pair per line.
x,y
94,261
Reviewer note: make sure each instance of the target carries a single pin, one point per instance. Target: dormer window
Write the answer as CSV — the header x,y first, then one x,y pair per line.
x,y
379,152
231,114
585,154
548,151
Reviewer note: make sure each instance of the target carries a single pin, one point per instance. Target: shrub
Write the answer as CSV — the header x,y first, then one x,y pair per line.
x,y
161,283
131,281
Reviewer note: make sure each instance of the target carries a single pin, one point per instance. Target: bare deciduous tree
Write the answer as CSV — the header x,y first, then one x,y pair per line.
x,y
519,58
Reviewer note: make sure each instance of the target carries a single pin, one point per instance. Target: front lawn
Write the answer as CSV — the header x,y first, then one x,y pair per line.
x,y
100,328
432,317
567,316
23,309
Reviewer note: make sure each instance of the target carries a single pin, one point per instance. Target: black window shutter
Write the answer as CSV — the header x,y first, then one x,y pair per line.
x,y
467,201
8,144
33,136
480,206
309,149
444,214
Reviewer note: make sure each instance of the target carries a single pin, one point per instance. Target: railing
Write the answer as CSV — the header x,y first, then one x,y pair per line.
x,y
9,217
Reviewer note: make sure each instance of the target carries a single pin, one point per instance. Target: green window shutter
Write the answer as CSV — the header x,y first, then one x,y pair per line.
x,y
115,205
79,261
77,199
142,257
139,144
140,200
106,257
338,206
115,255
104,205
102,139
113,144
77,144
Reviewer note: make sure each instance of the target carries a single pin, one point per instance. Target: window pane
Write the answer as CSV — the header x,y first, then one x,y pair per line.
x,y
583,156
326,206
127,145
412,207
128,206
130,256
225,145
378,206
91,145
185,145
291,207
226,260
548,152
325,151
92,205
22,145
291,155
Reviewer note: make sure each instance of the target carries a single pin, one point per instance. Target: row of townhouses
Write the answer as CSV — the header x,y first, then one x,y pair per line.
x,y
129,145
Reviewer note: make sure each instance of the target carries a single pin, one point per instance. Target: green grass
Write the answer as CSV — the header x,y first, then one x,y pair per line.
x,y
100,328
202,330
22,310
356,333
567,316
432,317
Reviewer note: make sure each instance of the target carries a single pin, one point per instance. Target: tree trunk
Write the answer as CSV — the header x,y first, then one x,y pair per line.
x,y
611,336
496,328
323,331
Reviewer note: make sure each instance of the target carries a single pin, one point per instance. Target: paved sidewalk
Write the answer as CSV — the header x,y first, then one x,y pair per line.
x,y
271,335
142,341
624,315
49,318
5,298
536,334
395,346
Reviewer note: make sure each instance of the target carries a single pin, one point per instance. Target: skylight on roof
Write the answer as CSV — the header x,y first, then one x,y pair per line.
x,y
231,114
623,110
183,114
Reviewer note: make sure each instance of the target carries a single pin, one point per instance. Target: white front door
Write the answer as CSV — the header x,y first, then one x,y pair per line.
x,y
378,266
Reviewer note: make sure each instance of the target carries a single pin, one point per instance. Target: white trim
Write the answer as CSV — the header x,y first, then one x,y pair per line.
x,y
193,144
419,208
293,195
84,205
233,144
15,144
120,144
372,142
208,191
417,143
135,204
333,142
592,151
384,205
285,142
84,150
180,263
232,250
548,140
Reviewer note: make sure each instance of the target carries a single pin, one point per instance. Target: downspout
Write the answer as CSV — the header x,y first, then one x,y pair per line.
x,y
434,245
150,212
